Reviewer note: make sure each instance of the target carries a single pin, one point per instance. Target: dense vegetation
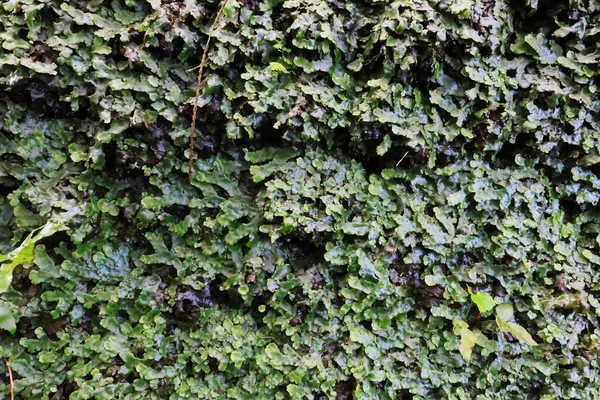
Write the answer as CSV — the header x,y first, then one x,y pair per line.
x,y
389,200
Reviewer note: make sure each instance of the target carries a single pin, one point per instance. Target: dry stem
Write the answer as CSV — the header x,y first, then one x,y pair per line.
x,y
198,87
12,383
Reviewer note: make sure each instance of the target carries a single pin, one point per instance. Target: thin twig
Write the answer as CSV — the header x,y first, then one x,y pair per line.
x,y
468,310
12,383
198,87
404,156
192,69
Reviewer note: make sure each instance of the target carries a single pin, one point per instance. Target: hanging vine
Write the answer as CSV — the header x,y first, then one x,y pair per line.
x,y
199,82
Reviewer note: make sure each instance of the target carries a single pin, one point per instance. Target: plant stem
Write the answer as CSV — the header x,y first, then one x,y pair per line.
x,y
198,87
12,383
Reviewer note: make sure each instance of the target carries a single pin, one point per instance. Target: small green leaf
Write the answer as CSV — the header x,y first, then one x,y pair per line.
x,y
278,67
39,67
590,256
272,350
488,346
5,277
276,357
589,160
24,254
7,320
483,300
355,228
296,392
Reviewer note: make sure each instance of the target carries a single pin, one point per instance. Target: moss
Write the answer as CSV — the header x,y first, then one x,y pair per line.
x,y
363,172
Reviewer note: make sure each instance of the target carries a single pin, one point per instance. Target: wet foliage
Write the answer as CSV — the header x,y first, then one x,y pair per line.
x,y
390,200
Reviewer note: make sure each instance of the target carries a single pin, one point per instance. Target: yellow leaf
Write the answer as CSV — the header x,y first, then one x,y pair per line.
x,y
467,338
516,330
467,342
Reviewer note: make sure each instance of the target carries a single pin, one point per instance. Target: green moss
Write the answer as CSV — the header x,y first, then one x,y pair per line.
x,y
360,167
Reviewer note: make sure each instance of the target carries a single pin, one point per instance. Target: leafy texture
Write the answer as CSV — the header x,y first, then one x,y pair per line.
x,y
358,166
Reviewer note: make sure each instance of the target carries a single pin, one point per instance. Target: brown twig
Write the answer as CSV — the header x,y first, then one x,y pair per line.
x,y
198,87
12,383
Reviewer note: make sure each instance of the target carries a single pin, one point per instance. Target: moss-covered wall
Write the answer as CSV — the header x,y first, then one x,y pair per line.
x,y
389,200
